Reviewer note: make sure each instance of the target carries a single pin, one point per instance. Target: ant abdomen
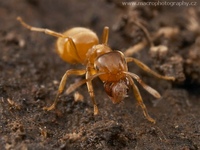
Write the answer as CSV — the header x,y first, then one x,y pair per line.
x,y
75,51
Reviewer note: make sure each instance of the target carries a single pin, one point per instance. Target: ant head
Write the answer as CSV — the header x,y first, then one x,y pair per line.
x,y
117,91
112,64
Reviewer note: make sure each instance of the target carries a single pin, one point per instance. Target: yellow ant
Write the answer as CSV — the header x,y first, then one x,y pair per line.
x,y
81,45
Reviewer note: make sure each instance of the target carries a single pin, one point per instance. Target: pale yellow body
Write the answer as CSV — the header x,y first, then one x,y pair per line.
x,y
81,45
83,39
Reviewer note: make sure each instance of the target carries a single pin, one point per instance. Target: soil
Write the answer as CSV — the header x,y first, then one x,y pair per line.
x,y
30,71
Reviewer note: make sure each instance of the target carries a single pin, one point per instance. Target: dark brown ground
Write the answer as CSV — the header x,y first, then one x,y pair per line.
x,y
30,71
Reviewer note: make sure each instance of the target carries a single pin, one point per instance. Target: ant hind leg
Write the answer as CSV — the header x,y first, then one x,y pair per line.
x,y
46,31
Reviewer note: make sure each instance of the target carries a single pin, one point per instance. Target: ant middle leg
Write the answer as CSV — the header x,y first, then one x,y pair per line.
x,y
91,92
62,85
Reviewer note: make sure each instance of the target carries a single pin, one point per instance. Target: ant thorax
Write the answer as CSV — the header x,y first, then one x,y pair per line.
x,y
96,51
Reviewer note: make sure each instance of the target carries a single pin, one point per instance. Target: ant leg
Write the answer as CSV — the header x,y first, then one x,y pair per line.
x,y
145,86
62,85
140,101
73,53
147,69
105,35
46,31
52,33
74,86
91,92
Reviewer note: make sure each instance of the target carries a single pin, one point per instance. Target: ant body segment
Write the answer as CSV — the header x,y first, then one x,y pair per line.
x,y
81,45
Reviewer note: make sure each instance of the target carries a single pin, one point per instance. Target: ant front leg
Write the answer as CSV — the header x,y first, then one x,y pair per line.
x,y
62,85
91,92
147,69
140,101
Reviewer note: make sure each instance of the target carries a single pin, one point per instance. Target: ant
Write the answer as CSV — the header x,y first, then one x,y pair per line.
x,y
81,45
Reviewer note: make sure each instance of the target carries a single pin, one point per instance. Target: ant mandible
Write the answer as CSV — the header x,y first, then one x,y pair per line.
x,y
81,45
